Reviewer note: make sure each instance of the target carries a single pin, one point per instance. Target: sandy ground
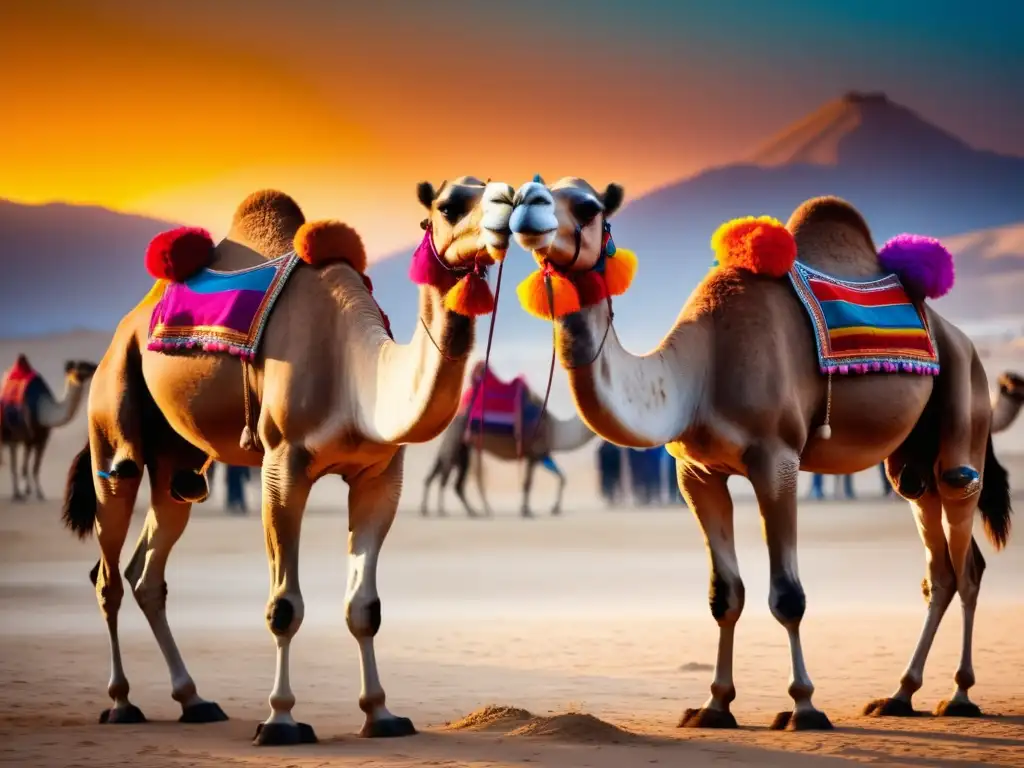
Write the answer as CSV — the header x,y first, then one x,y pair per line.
x,y
601,613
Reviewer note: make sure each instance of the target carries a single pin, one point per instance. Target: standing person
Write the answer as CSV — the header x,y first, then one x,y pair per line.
x,y
609,467
848,487
236,478
817,487
638,474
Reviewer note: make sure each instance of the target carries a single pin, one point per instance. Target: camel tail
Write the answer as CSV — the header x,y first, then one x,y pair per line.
x,y
80,495
994,500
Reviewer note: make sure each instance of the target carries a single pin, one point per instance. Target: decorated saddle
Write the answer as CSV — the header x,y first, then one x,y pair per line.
x,y
14,394
498,407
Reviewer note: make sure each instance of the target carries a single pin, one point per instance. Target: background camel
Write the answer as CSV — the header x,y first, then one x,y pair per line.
x,y
329,393
28,424
735,388
1007,402
554,435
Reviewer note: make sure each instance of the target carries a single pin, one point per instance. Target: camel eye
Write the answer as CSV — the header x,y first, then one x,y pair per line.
x,y
585,210
451,212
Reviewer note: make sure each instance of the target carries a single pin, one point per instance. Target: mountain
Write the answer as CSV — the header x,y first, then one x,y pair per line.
x,y
70,266
902,172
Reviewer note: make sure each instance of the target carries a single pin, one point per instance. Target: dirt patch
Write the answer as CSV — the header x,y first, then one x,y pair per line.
x,y
576,727
491,717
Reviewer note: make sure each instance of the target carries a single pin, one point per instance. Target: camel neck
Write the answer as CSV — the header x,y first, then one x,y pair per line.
x,y
633,400
53,413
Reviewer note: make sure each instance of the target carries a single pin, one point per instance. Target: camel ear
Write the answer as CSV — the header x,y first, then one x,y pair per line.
x,y
69,366
425,193
537,178
613,196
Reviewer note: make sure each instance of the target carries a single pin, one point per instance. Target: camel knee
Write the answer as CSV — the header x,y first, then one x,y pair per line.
x,y
109,591
284,614
726,598
959,482
363,617
787,600
939,589
150,595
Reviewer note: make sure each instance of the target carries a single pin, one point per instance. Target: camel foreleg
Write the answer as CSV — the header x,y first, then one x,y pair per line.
x,y
461,473
773,473
531,465
939,588
372,503
286,488
16,495
549,464
708,496
164,525
37,462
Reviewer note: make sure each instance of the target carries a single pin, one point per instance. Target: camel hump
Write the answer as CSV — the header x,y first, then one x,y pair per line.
x,y
827,211
833,237
266,222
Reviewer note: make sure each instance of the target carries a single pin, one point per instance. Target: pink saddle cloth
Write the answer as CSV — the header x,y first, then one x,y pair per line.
x,y
499,405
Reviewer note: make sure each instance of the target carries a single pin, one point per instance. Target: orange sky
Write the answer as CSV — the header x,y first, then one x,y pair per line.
x,y
182,109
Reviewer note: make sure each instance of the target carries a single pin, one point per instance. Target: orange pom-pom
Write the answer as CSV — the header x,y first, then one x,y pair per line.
x,y
471,296
319,243
619,271
533,295
178,254
761,245
592,288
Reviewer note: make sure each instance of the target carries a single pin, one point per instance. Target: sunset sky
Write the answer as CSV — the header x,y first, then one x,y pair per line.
x,y
180,109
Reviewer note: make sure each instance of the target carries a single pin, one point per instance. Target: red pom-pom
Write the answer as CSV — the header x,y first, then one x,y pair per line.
x,y
319,243
178,254
592,287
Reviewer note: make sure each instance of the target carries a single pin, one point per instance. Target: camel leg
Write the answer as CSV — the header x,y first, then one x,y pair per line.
x,y
164,525
26,460
285,490
461,472
16,494
435,472
708,496
37,463
773,473
939,588
115,501
372,503
549,464
531,464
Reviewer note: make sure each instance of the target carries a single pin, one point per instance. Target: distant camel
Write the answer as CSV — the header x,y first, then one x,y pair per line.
x,y
1006,404
28,411
533,444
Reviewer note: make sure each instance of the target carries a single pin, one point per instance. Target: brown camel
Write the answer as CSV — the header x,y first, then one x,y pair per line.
x,y
735,388
1007,402
331,394
28,421
554,435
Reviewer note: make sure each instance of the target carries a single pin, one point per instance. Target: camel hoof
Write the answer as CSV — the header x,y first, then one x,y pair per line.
x,y
189,487
283,734
707,718
814,720
958,709
890,708
130,715
388,728
204,712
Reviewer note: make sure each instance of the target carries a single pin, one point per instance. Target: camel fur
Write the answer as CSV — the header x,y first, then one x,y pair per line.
x,y
331,394
1007,401
41,413
734,389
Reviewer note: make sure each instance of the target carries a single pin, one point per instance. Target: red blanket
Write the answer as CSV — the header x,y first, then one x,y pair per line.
x,y
500,403
12,393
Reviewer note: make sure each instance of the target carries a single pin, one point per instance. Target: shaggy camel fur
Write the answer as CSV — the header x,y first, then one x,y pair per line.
x,y
1007,402
734,388
554,435
334,395
41,413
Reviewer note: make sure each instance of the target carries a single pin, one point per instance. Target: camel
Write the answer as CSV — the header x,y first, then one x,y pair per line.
x,y
553,435
328,393
1007,402
29,420
734,389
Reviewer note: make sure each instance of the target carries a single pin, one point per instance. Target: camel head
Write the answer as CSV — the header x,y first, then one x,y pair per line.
x,y
468,221
78,371
1011,386
567,229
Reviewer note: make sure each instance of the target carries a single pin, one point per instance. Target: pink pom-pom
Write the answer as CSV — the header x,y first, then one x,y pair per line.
x,y
923,264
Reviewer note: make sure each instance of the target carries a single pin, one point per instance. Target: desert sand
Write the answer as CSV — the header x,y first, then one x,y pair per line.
x,y
594,626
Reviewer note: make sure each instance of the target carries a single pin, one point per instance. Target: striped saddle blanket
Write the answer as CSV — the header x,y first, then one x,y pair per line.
x,y
220,311
865,326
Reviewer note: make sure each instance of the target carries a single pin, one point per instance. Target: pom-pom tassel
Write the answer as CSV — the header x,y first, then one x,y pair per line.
x,y
619,271
248,441
426,267
592,288
471,296
535,299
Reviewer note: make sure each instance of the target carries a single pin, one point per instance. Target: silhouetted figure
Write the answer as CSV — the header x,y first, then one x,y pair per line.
x,y
236,478
818,489
609,468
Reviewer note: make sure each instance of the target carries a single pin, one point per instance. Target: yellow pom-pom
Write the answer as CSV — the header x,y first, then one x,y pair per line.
x,y
759,244
619,271
471,296
533,295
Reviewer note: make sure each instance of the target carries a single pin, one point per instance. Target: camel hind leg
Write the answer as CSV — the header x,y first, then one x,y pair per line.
x,y
164,524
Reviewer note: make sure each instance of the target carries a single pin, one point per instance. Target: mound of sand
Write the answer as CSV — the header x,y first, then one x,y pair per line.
x,y
576,727
491,717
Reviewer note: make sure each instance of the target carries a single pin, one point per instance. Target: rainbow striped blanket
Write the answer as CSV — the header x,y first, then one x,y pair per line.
x,y
868,326
220,311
